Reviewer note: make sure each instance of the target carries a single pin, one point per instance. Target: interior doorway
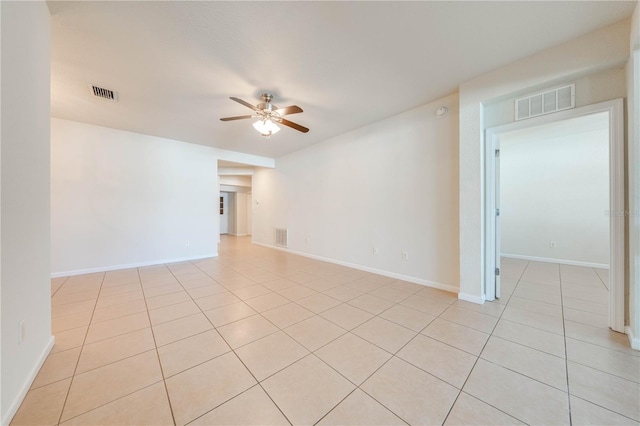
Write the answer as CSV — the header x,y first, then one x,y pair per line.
x,y
576,225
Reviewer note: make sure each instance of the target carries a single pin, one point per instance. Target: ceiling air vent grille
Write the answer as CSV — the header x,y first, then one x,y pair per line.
x,y
103,93
546,102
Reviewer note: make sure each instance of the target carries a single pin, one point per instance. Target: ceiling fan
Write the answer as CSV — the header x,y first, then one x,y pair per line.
x,y
268,115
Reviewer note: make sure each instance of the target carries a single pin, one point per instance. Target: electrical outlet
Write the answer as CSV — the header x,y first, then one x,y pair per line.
x,y
375,251
188,243
405,256
552,244
21,332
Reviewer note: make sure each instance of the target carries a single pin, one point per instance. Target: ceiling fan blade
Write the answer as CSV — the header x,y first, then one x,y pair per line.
x,y
247,104
293,109
293,125
239,117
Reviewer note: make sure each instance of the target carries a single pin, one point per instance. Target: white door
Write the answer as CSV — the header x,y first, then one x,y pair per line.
x,y
224,213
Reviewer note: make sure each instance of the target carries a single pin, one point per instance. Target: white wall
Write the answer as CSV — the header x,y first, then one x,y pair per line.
x,y
554,187
240,210
120,198
25,288
592,53
390,185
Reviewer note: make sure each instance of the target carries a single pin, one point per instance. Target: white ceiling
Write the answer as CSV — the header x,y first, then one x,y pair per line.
x,y
175,64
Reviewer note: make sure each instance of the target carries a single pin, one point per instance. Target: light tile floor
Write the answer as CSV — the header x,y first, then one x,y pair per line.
x,y
258,336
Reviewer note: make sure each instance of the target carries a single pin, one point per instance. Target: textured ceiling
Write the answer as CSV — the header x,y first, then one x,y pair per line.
x,y
347,64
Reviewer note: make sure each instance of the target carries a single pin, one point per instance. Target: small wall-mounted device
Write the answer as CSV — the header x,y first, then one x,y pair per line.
x,y
442,111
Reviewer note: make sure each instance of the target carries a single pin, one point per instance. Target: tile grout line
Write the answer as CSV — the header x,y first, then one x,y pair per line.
x,y
566,355
155,345
239,359
73,376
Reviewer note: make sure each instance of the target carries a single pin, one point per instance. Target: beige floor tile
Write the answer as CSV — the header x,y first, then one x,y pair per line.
x,y
251,291
457,335
437,294
586,413
494,308
471,411
43,406
63,298
314,332
407,317
443,361
157,287
117,299
385,334
301,277
57,366
267,302
322,285
541,340
115,327
73,308
407,286
533,319
353,357
229,313
595,320
425,304
95,355
287,315
198,390
125,288
216,300
271,354
307,390
246,330
401,388
167,299
360,409
186,353
296,292
115,381
604,359
583,305
67,322
372,304
172,331
146,406
117,311
526,399
391,294
252,407
537,365
279,284
173,312
206,290
318,303
346,316
69,339
599,336
343,293
534,306
539,296
475,320
605,390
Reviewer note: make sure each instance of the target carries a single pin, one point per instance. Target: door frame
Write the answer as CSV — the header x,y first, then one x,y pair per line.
x,y
615,108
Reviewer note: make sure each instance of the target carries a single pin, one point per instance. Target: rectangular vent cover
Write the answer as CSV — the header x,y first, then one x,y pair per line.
x,y
103,93
282,237
546,102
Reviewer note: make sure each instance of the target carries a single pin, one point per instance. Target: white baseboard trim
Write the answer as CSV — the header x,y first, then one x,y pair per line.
x,y
129,265
13,408
634,341
427,283
561,261
470,298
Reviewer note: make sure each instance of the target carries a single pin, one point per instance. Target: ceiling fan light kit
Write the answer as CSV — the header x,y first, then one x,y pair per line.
x,y
268,115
